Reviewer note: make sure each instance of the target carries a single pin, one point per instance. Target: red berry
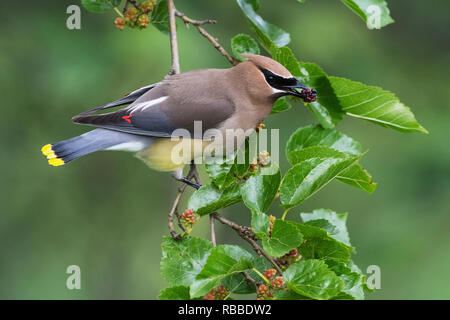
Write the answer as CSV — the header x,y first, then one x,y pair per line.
x,y
119,23
277,283
270,273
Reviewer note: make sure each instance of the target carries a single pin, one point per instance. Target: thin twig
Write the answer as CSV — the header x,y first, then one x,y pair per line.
x,y
175,69
197,24
246,235
250,279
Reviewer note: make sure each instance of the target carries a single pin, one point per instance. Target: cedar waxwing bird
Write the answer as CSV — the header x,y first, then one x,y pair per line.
x,y
240,97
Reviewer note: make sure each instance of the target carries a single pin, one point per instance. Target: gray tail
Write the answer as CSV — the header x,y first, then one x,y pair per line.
x,y
65,151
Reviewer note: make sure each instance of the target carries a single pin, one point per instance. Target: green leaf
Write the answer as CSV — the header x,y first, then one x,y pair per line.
x,y
310,136
374,12
260,224
268,34
243,44
209,198
355,175
353,282
174,293
223,261
375,105
326,108
285,237
281,105
308,142
322,224
244,156
237,283
286,57
288,295
307,177
259,190
221,171
339,220
358,177
320,152
97,6
313,279
319,244
160,17
184,259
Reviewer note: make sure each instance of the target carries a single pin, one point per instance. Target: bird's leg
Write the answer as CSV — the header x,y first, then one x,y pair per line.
x,y
189,182
178,175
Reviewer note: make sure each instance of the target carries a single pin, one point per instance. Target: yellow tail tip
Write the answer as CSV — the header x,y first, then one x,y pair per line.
x,y
47,149
55,162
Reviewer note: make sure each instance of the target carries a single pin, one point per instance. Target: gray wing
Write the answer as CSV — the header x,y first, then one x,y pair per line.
x,y
129,98
156,113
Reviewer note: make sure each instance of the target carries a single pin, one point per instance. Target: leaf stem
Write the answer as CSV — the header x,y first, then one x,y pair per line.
x,y
118,11
284,214
261,275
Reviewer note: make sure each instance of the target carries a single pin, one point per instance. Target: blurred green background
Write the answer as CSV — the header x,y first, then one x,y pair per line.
x,y
107,212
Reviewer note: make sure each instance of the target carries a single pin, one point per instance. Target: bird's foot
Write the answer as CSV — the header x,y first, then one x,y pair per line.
x,y
189,182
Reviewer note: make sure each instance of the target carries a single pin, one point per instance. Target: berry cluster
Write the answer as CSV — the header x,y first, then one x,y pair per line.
x,y
309,95
289,258
262,160
137,16
219,293
188,218
276,283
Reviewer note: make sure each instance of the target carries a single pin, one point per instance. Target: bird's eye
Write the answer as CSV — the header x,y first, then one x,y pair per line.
x,y
270,78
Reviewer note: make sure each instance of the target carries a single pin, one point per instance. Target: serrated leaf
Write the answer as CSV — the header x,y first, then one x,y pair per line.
x,y
307,177
237,283
355,175
285,56
310,136
260,224
97,6
288,294
259,190
375,105
326,108
223,261
322,224
174,293
184,259
358,177
243,44
319,244
245,156
374,12
353,282
160,17
285,237
267,33
339,220
280,105
209,198
313,279
221,171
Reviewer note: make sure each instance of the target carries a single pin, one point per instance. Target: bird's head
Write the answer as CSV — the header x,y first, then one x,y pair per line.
x,y
272,75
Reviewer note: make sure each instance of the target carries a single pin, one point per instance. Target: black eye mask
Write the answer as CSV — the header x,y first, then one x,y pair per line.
x,y
278,82
288,85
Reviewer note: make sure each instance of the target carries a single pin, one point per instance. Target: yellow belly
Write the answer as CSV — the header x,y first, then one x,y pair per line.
x,y
167,155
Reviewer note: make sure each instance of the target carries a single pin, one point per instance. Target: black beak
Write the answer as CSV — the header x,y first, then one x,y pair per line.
x,y
305,93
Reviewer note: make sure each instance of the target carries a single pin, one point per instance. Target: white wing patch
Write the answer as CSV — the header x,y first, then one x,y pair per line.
x,y
144,105
132,146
